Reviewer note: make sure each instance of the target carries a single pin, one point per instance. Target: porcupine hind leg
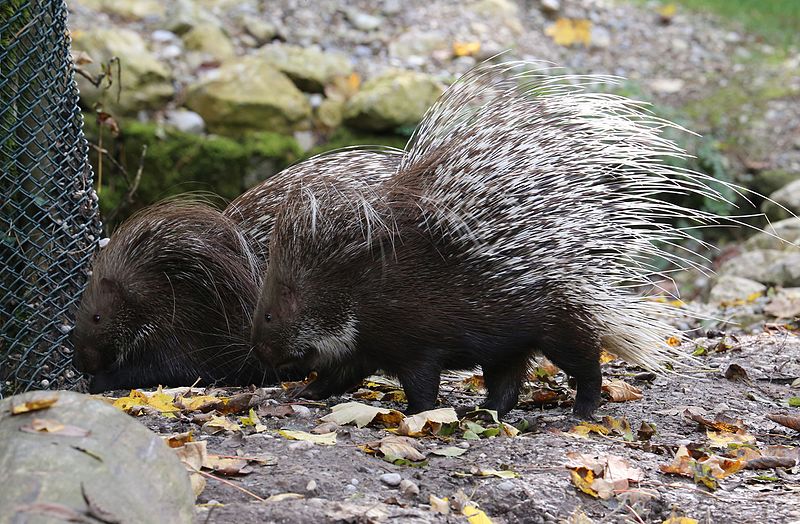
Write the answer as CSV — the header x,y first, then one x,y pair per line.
x,y
421,386
580,359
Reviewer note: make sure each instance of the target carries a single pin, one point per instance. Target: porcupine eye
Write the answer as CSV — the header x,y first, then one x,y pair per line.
x,y
96,319
267,317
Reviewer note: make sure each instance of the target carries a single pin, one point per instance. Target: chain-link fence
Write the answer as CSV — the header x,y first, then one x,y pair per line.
x,y
49,223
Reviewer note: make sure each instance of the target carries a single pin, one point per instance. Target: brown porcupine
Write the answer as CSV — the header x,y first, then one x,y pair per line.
x,y
522,213
170,297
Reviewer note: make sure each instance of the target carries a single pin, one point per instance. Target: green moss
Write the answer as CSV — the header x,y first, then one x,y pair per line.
x,y
177,162
344,137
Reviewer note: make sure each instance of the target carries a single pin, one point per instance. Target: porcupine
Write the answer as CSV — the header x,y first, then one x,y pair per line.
x,y
170,297
522,213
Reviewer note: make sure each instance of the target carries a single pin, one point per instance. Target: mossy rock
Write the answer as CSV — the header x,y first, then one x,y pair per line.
x,y
344,137
177,162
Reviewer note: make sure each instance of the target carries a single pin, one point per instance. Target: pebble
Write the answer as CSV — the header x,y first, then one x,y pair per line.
x,y
162,35
364,21
409,488
349,488
186,121
312,485
551,6
391,479
301,411
301,445
506,485
463,444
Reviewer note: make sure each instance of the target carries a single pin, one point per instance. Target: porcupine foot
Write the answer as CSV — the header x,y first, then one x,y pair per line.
x,y
584,367
421,386
330,382
503,383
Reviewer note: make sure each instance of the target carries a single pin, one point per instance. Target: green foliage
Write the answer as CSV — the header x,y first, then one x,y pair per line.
x,y
777,21
177,162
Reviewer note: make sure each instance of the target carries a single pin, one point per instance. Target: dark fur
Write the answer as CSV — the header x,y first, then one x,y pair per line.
x,y
174,290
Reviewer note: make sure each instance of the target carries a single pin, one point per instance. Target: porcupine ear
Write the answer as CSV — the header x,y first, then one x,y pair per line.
x,y
113,287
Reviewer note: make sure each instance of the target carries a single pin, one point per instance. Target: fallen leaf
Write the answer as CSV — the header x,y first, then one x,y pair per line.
x,y
679,520
584,428
725,440
475,515
179,439
427,422
721,423
770,462
499,473
583,480
567,31
219,424
621,391
735,372
790,421
368,394
619,426
192,454
325,439
276,410
466,48
54,427
449,451
395,447
646,431
361,415
280,497
439,505
33,405
226,465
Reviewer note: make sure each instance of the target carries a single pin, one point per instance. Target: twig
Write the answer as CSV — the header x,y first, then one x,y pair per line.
x,y
137,179
228,483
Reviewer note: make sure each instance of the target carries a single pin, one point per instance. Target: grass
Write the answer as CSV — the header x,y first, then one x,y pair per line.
x,y
777,21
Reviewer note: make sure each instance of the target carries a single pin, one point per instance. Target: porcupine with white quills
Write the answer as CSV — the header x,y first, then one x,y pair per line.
x,y
520,217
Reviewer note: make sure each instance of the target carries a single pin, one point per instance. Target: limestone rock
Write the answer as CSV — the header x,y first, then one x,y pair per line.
x,y
329,112
788,197
729,288
788,229
209,39
92,459
186,121
128,9
393,99
183,15
309,68
248,94
768,266
416,43
145,81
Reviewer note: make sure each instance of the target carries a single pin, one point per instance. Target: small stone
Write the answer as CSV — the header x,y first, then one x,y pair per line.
x,y
409,488
600,37
302,445
325,427
261,30
64,328
161,36
103,242
464,444
301,411
667,85
305,139
185,120
392,7
550,7
364,21
391,479
506,485
312,485
349,488
354,482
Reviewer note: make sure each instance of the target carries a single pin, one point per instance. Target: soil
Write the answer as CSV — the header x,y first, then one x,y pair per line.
x,y
341,483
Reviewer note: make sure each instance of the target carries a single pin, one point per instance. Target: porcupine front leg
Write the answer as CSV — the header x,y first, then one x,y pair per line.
x,y
421,386
333,381
503,383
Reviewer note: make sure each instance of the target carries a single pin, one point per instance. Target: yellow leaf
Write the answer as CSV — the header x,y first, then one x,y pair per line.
x,y
466,48
584,428
179,439
325,439
679,520
724,440
606,357
583,483
667,11
33,405
361,414
219,424
503,474
199,402
674,341
568,31
475,515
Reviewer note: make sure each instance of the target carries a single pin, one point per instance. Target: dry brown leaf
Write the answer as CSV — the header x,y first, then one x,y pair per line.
x,y
54,427
192,454
398,447
325,439
721,422
226,465
280,497
275,410
602,476
621,391
219,424
439,505
724,440
362,415
790,421
179,439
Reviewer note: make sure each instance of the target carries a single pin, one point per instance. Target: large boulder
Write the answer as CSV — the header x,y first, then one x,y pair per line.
x,y
730,289
394,99
145,82
209,39
248,94
309,68
183,15
129,9
783,235
68,457
768,266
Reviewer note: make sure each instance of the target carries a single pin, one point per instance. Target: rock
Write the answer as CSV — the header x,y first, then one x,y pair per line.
x,y
785,303
600,37
261,30
363,21
504,12
100,463
393,99
417,43
550,7
309,68
130,9
666,85
506,485
146,82
391,479
329,112
788,230
770,181
209,39
183,15
729,288
768,266
248,94
163,36
185,120
392,7
788,197
409,488
301,411
305,139
311,486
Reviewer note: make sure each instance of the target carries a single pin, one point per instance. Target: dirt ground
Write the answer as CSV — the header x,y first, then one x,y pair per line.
x,y
343,483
